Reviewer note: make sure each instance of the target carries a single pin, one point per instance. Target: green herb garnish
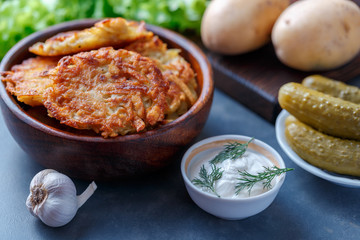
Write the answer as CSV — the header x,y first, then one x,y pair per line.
x,y
206,180
248,180
232,151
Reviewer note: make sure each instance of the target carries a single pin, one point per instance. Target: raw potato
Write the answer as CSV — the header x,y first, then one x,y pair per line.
x,y
317,34
239,26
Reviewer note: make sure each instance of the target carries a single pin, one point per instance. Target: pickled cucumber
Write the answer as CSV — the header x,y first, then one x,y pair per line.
x,y
330,115
332,87
326,152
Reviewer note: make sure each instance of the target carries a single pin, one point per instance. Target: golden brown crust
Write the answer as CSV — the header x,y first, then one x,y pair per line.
x,y
110,91
182,92
29,80
115,32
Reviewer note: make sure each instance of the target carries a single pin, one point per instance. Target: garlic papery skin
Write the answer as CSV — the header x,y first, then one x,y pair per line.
x,y
53,198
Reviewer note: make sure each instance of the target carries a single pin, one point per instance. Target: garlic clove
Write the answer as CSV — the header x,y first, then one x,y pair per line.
x,y
53,198
57,212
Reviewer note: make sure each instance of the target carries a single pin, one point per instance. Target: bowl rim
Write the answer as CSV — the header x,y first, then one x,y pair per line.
x,y
167,34
270,192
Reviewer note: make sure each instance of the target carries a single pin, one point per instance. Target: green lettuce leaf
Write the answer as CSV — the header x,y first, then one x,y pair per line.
x,y
19,18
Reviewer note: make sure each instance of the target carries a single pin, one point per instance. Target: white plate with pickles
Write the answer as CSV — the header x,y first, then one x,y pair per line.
x,y
343,180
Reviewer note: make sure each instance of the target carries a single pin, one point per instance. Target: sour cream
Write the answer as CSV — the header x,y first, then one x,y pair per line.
x,y
251,161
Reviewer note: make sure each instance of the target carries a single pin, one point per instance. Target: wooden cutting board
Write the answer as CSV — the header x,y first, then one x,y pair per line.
x,y
254,78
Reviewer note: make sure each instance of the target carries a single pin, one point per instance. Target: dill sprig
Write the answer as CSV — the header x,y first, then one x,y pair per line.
x,y
232,151
207,180
247,180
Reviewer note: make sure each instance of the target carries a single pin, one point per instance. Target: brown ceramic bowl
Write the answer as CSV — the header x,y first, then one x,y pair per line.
x,y
82,154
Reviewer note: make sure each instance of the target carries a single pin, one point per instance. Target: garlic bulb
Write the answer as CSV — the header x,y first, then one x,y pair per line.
x,y
53,198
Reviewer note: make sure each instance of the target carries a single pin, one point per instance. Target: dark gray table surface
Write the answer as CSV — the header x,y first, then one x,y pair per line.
x,y
158,206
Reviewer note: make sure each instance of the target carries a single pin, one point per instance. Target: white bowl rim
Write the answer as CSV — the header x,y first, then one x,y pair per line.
x,y
230,137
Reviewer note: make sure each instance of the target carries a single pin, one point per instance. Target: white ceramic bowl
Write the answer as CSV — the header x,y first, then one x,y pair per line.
x,y
229,208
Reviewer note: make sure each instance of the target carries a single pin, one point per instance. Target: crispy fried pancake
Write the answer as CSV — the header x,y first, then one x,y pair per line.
x,y
115,32
29,80
110,91
182,92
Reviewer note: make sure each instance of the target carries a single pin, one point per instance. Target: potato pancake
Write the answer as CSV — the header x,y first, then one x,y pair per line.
x,y
29,80
182,92
114,78
115,32
110,91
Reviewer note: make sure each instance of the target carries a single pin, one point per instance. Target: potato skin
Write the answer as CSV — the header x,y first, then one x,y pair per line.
x,y
239,26
317,34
